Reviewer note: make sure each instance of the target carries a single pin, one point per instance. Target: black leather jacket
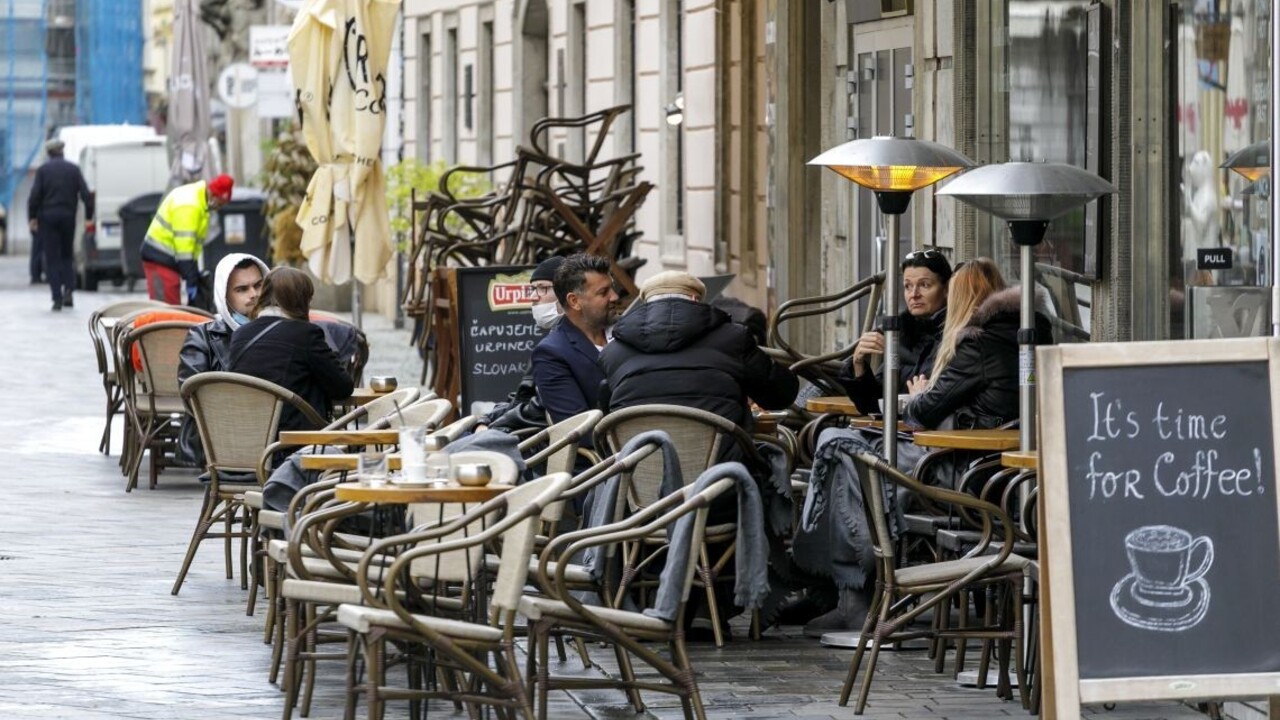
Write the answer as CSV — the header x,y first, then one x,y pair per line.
x,y
917,346
206,349
979,387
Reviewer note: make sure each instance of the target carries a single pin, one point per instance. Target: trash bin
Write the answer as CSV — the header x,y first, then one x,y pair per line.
x,y
239,228
135,218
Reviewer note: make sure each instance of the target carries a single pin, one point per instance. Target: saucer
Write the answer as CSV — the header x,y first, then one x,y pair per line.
x,y
1175,613
433,482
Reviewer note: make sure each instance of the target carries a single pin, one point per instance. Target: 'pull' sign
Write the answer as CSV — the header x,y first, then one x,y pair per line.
x,y
1213,259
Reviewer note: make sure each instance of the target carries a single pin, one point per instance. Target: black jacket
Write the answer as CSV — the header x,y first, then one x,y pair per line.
x,y
57,185
687,353
206,349
293,355
980,384
917,345
565,371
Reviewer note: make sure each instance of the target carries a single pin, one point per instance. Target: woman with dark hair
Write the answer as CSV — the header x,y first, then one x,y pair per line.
x,y
925,274
282,346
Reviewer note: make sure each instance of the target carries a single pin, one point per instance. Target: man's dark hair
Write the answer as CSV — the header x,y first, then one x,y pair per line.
x,y
246,263
572,275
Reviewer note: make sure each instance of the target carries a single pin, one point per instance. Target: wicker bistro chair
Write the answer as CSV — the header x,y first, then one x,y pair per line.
x,y
430,413
460,646
99,335
904,593
556,446
699,437
238,417
628,631
321,568
153,400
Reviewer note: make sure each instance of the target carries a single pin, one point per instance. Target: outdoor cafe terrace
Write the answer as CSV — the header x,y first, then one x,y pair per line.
x,y
91,630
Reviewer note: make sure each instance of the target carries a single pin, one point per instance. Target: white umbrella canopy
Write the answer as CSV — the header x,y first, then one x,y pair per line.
x,y
338,53
187,124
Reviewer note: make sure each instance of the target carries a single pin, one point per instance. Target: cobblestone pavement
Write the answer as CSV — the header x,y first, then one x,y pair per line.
x,y
88,629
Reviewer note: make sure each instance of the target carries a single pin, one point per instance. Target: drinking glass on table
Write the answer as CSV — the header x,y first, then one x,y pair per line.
x,y
413,453
371,469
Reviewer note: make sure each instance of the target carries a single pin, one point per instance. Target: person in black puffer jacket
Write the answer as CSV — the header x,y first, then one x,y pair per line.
x,y
925,274
675,349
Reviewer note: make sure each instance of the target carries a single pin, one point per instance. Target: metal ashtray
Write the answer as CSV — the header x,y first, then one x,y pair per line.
x,y
473,474
382,383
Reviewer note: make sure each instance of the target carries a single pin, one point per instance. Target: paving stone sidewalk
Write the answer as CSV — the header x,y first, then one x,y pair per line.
x,y
88,629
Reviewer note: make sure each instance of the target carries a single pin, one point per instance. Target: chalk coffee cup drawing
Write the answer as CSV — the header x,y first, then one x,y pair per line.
x,y
1165,589
1161,556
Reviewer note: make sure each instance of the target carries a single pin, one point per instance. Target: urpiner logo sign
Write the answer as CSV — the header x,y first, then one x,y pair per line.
x,y
511,292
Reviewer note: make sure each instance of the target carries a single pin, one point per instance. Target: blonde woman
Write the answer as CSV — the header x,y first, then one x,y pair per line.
x,y
974,381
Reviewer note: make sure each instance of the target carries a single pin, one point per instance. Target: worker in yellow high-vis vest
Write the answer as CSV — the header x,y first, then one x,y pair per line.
x,y
175,239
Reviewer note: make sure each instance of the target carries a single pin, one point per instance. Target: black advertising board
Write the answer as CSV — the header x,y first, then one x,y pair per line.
x,y
1160,507
496,331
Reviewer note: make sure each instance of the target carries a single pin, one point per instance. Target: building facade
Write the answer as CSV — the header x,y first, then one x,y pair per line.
x,y
732,97
478,74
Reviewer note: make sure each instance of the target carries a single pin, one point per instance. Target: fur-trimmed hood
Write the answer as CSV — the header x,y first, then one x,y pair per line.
x,y
1001,307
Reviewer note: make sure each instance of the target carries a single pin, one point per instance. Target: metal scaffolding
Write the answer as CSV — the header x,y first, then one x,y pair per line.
x,y
23,90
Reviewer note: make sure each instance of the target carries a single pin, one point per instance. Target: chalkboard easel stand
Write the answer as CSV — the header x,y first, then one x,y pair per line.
x,y
1066,682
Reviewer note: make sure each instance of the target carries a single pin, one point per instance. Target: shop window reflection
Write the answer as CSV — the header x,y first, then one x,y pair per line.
x,y
1220,99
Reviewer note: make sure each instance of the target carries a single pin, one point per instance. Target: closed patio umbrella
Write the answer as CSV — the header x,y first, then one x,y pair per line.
x,y
338,53
188,117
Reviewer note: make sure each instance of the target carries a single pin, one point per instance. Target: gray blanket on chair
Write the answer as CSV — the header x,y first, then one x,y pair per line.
x,y
602,501
751,584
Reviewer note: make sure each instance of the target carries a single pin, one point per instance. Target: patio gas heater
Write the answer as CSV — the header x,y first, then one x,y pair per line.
x,y
1028,196
893,168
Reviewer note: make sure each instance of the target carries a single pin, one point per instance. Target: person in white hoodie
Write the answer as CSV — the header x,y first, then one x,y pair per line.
x,y
237,282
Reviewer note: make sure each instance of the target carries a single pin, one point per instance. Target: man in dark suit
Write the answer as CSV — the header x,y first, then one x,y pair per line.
x,y
565,370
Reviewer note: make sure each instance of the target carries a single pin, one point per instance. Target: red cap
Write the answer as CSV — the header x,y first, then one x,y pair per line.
x,y
220,187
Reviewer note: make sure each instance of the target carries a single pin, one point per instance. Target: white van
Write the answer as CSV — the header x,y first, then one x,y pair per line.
x,y
113,176
115,173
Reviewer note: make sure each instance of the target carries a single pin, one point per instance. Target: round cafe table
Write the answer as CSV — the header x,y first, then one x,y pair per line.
x,y
1024,459
832,404
406,495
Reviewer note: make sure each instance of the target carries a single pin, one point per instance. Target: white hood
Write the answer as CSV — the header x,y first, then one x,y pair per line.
x,y
220,277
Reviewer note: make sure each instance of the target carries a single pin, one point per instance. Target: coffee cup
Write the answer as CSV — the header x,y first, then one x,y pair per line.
x,y
1163,559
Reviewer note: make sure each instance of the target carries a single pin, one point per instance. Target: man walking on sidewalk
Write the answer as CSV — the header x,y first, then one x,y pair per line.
x,y
51,213
175,239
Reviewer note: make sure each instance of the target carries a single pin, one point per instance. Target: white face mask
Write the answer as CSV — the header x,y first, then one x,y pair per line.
x,y
546,314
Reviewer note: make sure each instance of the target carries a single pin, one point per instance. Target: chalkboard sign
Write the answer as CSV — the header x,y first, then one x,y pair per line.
x,y
1161,506
496,331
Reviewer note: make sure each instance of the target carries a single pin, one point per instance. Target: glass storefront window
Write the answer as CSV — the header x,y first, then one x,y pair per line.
x,y
1220,92
1041,71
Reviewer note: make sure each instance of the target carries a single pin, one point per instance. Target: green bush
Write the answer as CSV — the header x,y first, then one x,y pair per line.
x,y
409,175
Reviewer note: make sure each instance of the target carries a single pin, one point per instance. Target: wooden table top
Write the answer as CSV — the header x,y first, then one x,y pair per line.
x,y
397,494
340,437
836,404
364,395
345,461
1025,459
968,439
865,421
